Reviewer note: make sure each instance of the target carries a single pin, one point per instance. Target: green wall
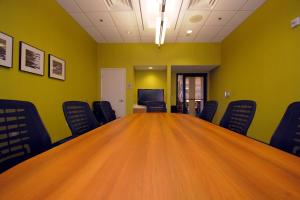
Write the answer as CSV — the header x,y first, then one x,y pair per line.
x,y
150,79
130,55
260,61
45,25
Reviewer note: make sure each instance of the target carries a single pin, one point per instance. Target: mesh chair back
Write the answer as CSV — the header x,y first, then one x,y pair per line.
x,y
103,111
79,117
238,116
209,111
287,134
22,133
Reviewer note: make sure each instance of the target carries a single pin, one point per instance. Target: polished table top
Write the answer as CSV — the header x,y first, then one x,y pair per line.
x,y
158,157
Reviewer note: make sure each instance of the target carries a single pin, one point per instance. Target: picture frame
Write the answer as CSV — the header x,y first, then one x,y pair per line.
x,y
6,50
56,68
31,59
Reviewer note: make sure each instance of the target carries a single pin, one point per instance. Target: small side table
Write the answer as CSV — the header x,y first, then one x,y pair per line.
x,y
139,109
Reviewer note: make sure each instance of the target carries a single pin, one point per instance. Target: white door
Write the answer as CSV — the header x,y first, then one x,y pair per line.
x,y
113,88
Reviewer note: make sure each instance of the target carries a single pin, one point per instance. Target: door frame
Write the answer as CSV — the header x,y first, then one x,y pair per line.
x,y
204,75
125,83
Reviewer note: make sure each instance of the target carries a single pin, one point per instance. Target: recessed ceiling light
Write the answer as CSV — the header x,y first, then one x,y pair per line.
x,y
150,67
128,32
189,32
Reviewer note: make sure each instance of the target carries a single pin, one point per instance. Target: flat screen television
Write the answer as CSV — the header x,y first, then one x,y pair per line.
x,y
145,95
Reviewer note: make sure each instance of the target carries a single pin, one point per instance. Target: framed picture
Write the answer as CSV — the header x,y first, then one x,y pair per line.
x,y
31,59
6,50
57,68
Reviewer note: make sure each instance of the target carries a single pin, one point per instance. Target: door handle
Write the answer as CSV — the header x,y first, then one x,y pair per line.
x,y
121,100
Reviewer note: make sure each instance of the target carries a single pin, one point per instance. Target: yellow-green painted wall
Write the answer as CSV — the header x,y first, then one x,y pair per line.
x,y
260,61
129,55
150,79
45,25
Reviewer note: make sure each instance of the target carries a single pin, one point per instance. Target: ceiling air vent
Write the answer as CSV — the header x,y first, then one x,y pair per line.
x,y
119,5
202,4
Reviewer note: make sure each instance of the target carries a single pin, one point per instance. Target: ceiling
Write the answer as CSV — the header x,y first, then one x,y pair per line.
x,y
133,21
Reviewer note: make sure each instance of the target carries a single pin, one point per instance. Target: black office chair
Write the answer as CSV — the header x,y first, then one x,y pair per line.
x,y
287,134
79,117
238,116
103,111
156,106
209,111
22,133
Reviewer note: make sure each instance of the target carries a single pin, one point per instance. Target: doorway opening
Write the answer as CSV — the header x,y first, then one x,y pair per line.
x,y
191,92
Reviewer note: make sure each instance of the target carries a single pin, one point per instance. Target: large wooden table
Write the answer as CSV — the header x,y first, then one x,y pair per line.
x,y
157,157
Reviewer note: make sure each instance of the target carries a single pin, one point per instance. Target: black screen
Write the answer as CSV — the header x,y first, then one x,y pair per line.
x,y
145,95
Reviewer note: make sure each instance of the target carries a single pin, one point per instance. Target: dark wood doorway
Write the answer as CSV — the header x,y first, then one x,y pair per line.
x,y
191,92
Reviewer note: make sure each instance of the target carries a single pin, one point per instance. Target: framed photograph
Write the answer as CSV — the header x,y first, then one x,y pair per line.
x,y
31,59
57,68
6,50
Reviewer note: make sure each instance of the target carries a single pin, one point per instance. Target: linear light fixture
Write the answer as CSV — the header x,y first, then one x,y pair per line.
x,y
161,24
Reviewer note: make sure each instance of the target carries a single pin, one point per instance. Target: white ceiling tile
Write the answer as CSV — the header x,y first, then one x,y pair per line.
x,y
92,5
210,30
130,31
171,33
185,39
148,32
207,33
238,18
132,39
124,18
148,39
110,34
226,30
229,4
69,5
191,15
113,39
183,30
218,39
204,38
101,19
253,4
170,39
81,19
95,34
108,30
218,18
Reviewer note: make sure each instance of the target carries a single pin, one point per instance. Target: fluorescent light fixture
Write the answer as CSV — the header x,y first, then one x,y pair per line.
x,y
157,31
161,23
150,67
164,29
189,31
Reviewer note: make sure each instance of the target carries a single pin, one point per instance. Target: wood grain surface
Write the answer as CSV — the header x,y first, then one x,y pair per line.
x,y
156,156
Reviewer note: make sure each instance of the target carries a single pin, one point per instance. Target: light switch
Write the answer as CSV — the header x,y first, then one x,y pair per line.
x,y
129,86
295,22
226,94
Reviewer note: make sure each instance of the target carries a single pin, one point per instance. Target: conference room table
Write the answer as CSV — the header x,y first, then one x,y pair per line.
x,y
156,156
